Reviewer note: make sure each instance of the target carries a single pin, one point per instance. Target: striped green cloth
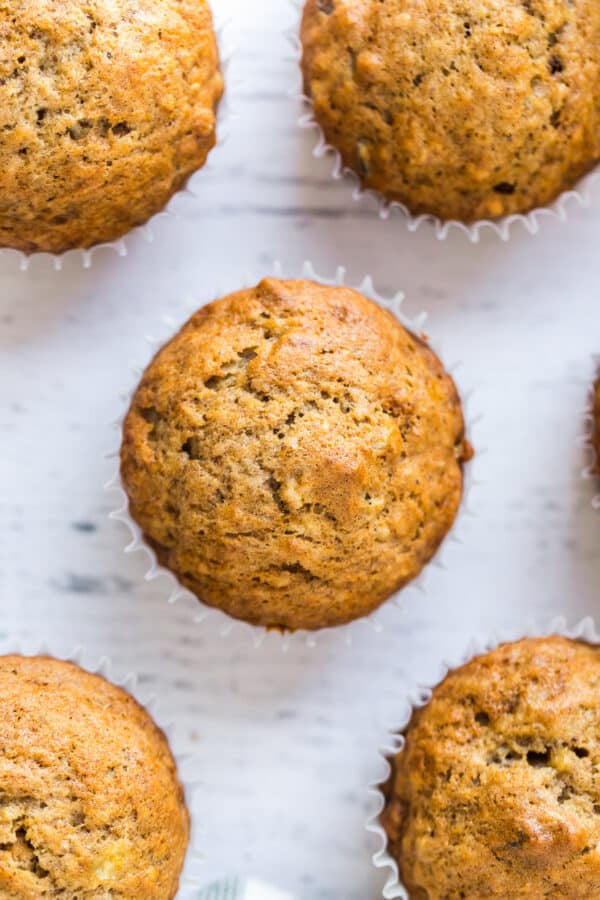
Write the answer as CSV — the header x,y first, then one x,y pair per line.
x,y
223,890
241,889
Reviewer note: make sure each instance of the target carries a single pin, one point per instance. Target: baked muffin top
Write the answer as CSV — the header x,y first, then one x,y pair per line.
x,y
294,454
465,110
596,421
106,108
90,802
496,793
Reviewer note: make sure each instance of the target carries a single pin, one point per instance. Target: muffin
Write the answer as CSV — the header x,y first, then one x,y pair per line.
x,y
596,423
495,793
294,455
106,108
463,110
91,806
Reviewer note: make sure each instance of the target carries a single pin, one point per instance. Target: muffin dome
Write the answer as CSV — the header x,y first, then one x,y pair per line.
x,y
464,110
106,109
91,804
294,455
495,793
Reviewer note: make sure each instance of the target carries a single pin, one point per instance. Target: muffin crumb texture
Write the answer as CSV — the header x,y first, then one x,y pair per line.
x,y
90,804
294,454
464,110
496,792
106,109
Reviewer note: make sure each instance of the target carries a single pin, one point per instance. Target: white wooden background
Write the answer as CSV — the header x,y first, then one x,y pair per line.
x,y
285,743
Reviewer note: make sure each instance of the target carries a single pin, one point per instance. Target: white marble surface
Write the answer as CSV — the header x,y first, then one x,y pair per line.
x,y
286,742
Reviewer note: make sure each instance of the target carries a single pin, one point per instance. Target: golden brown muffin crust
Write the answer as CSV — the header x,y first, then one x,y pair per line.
x,y
496,793
106,109
294,454
90,804
596,422
465,110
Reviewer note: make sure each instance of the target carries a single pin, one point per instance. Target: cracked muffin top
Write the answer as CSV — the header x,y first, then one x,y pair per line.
x,y
496,791
464,110
106,109
294,455
90,804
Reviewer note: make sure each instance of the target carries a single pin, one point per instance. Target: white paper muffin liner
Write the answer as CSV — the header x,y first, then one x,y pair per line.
x,y
419,697
590,469
224,623
584,194
103,666
191,190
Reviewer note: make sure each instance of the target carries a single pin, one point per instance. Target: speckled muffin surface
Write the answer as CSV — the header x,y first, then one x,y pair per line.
x,y
294,454
496,791
464,110
106,108
90,804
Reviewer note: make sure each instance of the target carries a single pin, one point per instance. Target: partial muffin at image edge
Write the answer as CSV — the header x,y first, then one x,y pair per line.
x,y
464,111
106,109
494,793
91,802
294,455
595,437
